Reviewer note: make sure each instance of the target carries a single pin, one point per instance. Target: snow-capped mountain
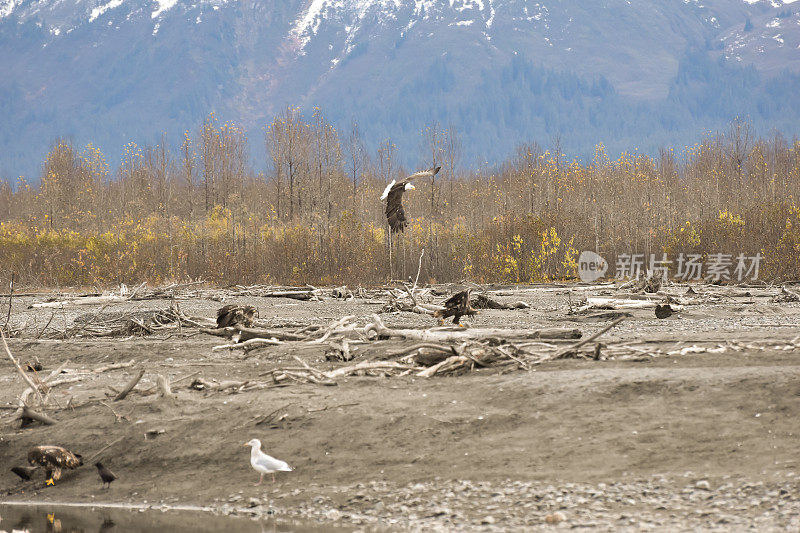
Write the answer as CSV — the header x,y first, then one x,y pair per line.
x,y
501,71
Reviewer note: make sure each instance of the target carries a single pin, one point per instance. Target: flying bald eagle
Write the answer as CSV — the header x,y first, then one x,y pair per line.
x,y
394,204
456,306
231,315
53,459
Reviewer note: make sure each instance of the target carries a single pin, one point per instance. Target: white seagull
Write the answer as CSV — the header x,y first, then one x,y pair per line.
x,y
263,463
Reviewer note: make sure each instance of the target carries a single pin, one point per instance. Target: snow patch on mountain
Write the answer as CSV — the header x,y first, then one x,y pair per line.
x,y
310,21
423,7
163,5
91,10
352,12
99,10
6,7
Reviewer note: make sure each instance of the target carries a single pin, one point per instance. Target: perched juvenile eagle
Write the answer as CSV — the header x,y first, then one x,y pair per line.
x,y
456,306
53,459
231,315
394,204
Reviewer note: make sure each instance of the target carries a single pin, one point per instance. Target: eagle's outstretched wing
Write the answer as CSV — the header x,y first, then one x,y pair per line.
x,y
423,174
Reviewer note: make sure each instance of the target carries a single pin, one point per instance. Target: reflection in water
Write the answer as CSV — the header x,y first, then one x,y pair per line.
x,y
72,519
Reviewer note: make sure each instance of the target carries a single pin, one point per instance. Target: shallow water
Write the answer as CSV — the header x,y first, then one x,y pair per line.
x,y
75,518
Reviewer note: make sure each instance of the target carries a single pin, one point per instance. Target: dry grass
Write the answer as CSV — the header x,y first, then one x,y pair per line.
x,y
317,218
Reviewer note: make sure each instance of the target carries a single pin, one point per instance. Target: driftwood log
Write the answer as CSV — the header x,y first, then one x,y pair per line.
x,y
86,300
246,334
31,385
410,306
201,384
308,294
449,363
482,301
574,348
620,303
251,338
29,414
451,335
26,413
419,347
247,345
442,352
309,374
129,386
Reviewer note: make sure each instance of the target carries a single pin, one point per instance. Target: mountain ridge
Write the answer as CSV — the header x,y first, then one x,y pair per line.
x,y
115,71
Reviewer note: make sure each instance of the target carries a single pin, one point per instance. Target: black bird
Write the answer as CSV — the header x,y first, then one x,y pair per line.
x,y
663,311
25,472
456,306
393,194
232,315
24,523
105,474
53,459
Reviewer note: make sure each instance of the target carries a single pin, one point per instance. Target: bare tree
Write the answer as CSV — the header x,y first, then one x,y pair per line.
x,y
451,157
6,199
432,147
67,186
739,139
356,157
208,144
188,172
387,153
157,161
287,145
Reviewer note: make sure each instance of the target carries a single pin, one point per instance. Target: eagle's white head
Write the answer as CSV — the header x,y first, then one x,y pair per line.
x,y
410,187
